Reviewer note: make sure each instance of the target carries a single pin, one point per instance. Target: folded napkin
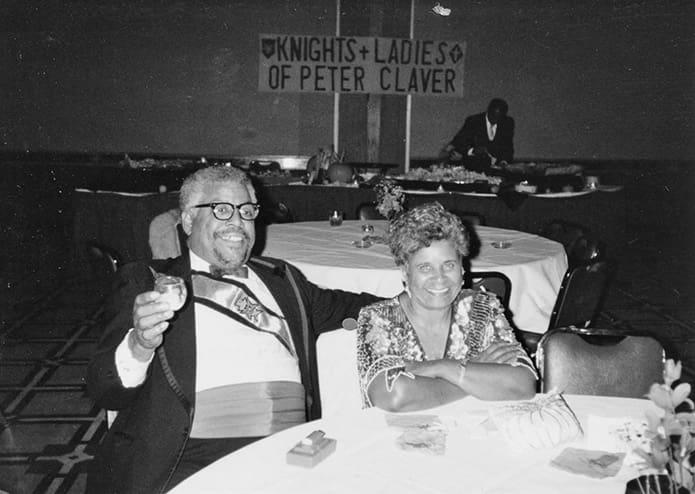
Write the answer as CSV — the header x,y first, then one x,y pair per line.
x,y
422,433
423,441
595,464
543,422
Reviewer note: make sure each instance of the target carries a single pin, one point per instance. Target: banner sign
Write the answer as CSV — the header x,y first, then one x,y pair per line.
x,y
351,64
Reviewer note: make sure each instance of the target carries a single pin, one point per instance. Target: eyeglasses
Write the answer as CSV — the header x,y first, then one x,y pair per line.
x,y
224,211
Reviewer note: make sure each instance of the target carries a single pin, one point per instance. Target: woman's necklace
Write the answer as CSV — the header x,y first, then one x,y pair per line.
x,y
432,337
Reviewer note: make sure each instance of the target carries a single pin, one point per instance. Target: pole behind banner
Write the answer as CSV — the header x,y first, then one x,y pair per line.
x,y
409,98
336,95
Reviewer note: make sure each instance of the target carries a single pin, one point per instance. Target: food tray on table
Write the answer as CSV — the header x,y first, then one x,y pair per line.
x,y
414,186
547,177
446,178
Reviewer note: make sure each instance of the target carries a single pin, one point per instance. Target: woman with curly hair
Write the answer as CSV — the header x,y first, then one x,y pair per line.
x,y
437,342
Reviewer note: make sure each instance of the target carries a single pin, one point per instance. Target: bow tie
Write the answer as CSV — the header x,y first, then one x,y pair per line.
x,y
220,272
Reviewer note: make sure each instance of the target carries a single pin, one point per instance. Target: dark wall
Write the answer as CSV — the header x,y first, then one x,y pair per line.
x,y
610,79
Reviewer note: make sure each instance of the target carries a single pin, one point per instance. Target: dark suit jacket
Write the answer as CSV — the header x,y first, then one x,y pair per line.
x,y
474,133
141,449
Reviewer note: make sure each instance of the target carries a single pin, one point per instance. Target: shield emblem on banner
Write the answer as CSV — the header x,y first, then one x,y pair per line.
x,y
268,47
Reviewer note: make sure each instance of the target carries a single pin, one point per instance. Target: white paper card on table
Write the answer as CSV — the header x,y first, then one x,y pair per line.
x,y
615,434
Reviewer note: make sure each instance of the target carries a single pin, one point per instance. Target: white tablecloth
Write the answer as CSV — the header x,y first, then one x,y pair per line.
x,y
325,254
367,460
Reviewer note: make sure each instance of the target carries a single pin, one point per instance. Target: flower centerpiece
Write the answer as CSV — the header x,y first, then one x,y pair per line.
x,y
389,198
670,451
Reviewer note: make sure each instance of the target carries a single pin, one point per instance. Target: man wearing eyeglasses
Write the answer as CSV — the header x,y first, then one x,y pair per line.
x,y
236,363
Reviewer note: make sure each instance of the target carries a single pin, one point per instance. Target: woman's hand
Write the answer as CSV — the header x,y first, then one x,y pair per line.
x,y
498,353
426,368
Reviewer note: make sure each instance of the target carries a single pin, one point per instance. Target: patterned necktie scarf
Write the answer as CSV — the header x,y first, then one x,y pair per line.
x,y
236,301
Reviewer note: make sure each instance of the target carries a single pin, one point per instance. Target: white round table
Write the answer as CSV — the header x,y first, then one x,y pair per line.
x,y
477,459
328,258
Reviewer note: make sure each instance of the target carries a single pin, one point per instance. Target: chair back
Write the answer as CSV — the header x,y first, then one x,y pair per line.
x,y
599,362
163,237
585,250
581,295
339,382
499,284
493,281
276,213
367,211
103,259
579,244
471,217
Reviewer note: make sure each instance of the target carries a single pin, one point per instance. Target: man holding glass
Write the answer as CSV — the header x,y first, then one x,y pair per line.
x,y
235,363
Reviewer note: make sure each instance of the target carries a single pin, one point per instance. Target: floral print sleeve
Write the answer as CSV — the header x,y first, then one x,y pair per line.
x,y
487,315
380,335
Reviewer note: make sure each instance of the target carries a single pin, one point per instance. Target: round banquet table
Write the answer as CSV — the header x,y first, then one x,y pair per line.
x,y
477,459
328,258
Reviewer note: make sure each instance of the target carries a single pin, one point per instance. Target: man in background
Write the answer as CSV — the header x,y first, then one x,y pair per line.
x,y
486,139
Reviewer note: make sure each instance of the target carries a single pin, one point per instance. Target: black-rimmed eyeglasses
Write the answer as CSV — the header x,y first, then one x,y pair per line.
x,y
224,211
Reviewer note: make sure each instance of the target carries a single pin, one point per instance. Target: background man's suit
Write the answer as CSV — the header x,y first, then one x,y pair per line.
x,y
474,134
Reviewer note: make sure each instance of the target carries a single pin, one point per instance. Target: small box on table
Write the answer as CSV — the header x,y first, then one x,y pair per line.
x,y
311,450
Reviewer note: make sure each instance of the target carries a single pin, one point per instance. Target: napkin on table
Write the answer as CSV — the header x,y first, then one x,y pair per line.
x,y
595,464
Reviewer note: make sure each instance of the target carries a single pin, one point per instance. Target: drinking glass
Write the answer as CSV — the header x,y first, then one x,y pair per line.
x,y
336,218
173,290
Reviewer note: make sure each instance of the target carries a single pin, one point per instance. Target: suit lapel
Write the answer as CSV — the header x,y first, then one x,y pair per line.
x,y
276,280
179,338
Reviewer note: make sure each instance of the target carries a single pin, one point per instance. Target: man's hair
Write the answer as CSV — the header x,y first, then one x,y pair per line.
x,y
422,225
193,185
498,103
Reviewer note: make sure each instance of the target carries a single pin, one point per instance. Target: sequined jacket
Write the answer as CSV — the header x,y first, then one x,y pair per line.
x,y
386,339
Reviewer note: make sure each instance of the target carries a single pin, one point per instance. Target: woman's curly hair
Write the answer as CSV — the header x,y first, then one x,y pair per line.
x,y
422,225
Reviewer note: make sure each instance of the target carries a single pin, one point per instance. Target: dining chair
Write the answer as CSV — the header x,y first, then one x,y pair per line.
x,y
163,238
580,245
493,281
367,211
278,212
103,259
336,357
471,217
581,295
499,284
595,361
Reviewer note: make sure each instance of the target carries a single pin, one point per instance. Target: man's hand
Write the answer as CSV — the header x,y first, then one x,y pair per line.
x,y
498,353
150,320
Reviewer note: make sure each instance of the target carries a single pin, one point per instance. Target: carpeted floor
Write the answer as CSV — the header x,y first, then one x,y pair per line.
x,y
51,426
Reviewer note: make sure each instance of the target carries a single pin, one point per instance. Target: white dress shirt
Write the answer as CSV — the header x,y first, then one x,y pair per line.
x,y
227,352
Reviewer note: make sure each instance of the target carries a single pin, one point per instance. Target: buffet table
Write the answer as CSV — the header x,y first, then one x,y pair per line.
x,y
476,458
327,256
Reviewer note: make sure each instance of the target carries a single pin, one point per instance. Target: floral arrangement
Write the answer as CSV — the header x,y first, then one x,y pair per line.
x,y
671,435
389,197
